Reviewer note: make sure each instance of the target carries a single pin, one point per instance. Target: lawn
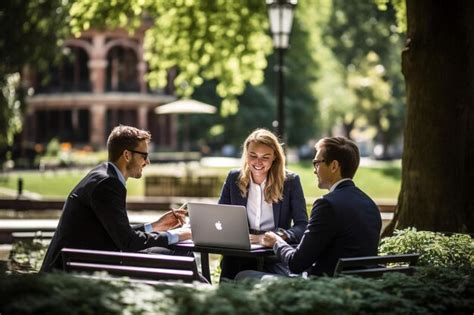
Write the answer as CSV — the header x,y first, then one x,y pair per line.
x,y
381,182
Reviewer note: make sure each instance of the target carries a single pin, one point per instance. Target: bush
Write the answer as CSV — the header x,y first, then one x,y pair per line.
x,y
53,147
435,249
429,291
27,256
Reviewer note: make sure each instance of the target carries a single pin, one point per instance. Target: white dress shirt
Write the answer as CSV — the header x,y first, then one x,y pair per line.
x,y
259,212
337,183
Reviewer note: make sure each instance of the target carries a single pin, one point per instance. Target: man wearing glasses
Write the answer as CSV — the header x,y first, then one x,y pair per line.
x,y
343,223
94,215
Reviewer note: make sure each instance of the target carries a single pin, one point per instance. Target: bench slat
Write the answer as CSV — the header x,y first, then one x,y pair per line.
x,y
133,265
134,272
371,266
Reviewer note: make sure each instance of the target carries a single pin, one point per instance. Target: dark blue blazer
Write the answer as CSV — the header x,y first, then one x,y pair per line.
x,y
292,207
343,223
94,217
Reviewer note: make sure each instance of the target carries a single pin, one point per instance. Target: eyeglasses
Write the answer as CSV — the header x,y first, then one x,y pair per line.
x,y
316,162
144,154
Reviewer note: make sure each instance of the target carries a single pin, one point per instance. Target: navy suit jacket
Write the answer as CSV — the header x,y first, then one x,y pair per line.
x,y
291,207
94,217
343,223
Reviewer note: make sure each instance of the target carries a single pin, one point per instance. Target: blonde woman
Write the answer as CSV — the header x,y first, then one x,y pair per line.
x,y
272,195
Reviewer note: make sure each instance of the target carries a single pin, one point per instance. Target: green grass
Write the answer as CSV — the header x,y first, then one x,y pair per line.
x,y
382,182
59,183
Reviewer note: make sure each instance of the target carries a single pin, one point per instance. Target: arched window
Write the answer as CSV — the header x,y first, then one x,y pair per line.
x,y
70,74
122,73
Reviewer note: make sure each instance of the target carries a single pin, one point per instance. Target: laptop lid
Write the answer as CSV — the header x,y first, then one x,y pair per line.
x,y
220,225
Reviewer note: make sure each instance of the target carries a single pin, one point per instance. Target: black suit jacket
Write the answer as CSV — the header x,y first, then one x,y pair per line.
x,y
343,223
291,208
94,217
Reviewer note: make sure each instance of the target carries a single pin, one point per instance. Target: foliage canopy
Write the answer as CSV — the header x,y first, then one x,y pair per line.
x,y
206,40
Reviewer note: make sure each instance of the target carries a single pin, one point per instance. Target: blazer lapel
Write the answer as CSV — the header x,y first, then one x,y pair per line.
x,y
240,201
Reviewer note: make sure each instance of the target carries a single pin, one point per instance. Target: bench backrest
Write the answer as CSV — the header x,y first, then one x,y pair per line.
x,y
376,266
133,265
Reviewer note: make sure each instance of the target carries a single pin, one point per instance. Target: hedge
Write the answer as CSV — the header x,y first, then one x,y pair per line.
x,y
443,284
429,291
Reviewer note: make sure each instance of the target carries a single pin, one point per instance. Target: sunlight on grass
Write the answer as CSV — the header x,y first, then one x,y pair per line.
x,y
59,183
378,183
382,182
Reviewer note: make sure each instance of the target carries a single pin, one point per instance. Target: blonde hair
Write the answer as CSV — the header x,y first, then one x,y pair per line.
x,y
276,175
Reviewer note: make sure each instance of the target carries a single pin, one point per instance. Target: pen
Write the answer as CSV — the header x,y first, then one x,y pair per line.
x,y
180,208
183,206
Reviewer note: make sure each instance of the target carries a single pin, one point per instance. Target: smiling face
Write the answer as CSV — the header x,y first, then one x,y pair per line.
x,y
137,161
260,158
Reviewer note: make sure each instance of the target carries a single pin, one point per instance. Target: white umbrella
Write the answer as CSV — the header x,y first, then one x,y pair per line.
x,y
186,106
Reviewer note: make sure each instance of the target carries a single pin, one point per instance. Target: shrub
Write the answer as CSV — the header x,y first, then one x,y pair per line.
x,y
429,291
27,256
53,147
436,249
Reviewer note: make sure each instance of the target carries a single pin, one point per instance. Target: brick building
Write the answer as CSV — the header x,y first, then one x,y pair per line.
x,y
99,84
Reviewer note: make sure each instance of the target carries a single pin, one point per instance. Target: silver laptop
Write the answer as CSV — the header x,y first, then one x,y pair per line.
x,y
220,226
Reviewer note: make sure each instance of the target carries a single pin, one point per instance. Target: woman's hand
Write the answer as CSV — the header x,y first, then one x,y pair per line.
x,y
255,239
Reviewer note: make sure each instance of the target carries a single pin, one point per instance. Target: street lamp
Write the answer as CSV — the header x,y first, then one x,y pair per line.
x,y
280,13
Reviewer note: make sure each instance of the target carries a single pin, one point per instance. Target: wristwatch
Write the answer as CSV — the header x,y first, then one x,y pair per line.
x,y
282,233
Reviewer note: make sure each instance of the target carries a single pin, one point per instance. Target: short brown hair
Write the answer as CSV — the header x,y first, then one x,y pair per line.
x,y
123,138
344,151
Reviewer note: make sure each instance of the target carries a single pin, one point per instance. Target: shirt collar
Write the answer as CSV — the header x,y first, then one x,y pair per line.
x,y
119,174
333,187
253,183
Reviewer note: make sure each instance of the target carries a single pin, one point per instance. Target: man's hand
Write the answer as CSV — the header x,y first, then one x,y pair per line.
x,y
184,234
269,239
170,220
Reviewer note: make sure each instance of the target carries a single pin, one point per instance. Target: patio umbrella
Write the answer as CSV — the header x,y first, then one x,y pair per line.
x,y
186,107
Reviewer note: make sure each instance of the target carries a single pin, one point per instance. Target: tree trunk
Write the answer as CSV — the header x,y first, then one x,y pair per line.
x,y
437,191
348,127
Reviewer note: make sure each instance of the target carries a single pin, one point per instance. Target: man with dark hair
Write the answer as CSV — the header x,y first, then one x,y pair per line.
x,y
343,223
94,214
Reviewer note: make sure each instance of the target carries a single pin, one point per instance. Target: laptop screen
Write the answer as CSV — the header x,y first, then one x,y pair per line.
x,y
220,225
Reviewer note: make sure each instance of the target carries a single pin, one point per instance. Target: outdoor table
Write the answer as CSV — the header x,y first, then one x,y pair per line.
x,y
206,250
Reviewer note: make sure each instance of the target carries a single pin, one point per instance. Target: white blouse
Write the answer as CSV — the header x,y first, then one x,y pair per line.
x,y
259,212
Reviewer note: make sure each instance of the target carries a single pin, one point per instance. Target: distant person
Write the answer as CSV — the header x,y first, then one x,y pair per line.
x,y
343,223
272,195
94,214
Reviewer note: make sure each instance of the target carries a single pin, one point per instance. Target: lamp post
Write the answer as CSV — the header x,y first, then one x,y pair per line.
x,y
280,13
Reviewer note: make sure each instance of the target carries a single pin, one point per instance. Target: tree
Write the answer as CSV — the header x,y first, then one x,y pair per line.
x,y
361,85
218,40
258,104
30,35
438,160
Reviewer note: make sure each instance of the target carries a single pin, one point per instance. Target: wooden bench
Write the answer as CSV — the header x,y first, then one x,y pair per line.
x,y
132,265
376,266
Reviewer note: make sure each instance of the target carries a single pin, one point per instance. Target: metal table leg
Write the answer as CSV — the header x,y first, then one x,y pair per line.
x,y
206,273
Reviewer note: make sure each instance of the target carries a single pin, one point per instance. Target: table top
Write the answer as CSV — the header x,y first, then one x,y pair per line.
x,y
225,251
